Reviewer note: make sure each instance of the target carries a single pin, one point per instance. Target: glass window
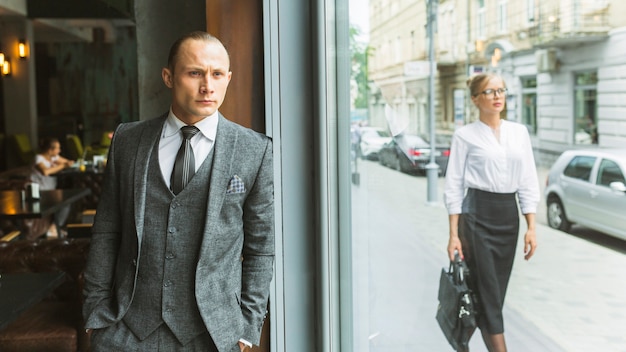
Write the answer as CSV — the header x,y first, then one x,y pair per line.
x,y
396,242
609,172
580,167
481,29
529,103
502,16
585,108
530,11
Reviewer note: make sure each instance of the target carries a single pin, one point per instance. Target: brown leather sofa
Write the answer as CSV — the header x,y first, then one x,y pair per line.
x,y
55,324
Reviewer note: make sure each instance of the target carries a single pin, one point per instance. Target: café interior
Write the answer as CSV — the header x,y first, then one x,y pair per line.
x,y
73,70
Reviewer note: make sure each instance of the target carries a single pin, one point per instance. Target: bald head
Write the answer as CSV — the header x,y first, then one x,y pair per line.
x,y
196,35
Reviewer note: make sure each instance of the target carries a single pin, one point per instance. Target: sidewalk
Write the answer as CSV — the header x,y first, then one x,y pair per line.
x,y
568,297
573,290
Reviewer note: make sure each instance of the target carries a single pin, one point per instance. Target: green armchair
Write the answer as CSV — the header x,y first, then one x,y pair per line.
x,y
19,151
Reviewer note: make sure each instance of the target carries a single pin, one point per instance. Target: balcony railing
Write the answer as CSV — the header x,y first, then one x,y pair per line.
x,y
570,21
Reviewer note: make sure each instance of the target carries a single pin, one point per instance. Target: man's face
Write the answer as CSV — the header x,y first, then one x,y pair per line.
x,y
199,81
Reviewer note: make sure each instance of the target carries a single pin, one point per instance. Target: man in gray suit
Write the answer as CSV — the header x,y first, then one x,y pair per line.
x,y
182,251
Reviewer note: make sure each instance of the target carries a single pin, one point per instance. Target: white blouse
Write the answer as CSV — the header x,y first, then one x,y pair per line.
x,y
36,176
478,160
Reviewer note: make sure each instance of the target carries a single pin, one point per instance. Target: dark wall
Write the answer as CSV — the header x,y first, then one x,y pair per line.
x,y
87,88
159,23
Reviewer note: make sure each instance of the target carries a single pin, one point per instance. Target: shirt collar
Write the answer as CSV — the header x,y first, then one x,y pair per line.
x,y
207,126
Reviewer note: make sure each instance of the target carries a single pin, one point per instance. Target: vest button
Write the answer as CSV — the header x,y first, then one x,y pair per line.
x,y
169,255
168,283
171,229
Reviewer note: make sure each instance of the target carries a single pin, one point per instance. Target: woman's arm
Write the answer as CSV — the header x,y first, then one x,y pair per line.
x,y
47,171
530,238
454,243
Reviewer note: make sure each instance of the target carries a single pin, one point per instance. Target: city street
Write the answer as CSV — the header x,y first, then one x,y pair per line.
x,y
568,297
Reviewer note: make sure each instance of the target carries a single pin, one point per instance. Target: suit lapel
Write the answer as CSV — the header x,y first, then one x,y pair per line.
x,y
223,154
149,136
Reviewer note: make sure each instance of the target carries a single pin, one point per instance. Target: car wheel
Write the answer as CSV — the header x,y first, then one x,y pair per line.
x,y
397,166
556,215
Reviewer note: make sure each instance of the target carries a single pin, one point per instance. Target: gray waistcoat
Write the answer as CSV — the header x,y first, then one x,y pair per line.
x,y
173,231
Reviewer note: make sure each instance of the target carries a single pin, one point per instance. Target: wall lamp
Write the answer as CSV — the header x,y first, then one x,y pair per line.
x,y
6,67
22,49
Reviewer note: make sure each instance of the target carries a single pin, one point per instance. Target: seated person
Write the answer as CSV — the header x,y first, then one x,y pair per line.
x,y
48,162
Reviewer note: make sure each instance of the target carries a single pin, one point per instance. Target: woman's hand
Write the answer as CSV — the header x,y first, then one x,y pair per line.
x,y
530,243
454,244
530,238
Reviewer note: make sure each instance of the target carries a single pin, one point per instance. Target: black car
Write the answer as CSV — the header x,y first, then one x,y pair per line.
x,y
411,154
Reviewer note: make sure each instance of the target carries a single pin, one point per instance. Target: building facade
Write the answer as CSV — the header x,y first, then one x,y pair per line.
x,y
564,62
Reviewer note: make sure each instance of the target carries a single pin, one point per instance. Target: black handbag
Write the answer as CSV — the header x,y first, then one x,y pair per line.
x,y
456,313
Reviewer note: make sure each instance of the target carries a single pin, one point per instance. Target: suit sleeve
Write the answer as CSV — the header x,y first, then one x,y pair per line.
x,y
103,252
258,248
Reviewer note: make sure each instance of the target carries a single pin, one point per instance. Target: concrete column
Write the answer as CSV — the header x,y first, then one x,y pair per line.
x,y
159,23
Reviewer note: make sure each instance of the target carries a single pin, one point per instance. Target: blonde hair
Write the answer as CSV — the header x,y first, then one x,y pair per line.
x,y
477,82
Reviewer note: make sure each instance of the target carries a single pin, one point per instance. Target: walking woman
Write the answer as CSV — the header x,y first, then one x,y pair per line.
x,y
491,166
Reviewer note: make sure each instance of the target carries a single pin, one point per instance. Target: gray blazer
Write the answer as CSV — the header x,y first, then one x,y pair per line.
x,y
237,251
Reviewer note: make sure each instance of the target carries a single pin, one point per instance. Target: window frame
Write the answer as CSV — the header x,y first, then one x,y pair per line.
x,y
578,115
502,16
528,91
577,167
481,21
602,167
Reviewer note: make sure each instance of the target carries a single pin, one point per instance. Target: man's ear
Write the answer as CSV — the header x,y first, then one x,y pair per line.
x,y
167,77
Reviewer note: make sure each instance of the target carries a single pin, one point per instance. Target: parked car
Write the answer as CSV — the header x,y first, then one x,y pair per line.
x,y
588,187
371,140
411,154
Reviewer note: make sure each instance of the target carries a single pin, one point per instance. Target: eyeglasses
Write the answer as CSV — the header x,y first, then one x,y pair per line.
x,y
491,93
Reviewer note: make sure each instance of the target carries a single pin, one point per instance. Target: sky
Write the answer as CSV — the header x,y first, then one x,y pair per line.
x,y
359,16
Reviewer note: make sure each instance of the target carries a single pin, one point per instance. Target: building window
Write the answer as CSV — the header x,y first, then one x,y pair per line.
x,y
481,30
529,103
530,12
585,108
502,16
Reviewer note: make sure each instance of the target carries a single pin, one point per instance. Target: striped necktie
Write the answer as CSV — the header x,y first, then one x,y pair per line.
x,y
185,165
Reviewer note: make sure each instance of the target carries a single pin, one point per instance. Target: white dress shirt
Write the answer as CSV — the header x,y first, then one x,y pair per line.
x,y
478,160
172,138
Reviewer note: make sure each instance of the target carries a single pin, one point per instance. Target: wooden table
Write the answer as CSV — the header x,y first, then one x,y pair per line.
x,y
19,292
13,205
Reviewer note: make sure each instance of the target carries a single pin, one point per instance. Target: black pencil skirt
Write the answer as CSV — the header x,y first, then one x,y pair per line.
x,y
488,230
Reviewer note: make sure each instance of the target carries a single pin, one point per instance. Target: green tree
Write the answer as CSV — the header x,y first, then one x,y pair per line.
x,y
358,72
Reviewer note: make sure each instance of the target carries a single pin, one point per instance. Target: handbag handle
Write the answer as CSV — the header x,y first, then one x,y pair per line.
x,y
458,275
